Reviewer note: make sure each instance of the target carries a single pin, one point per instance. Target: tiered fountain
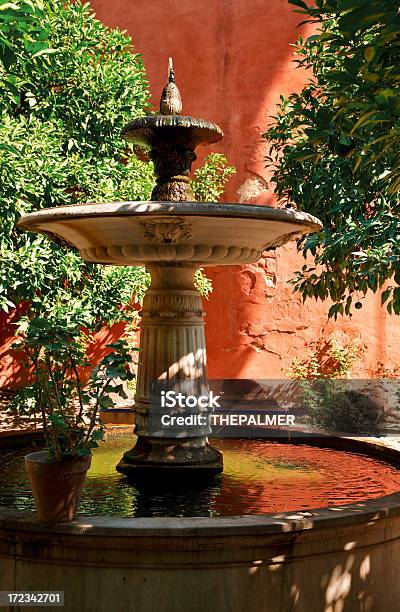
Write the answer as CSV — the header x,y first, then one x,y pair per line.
x,y
172,235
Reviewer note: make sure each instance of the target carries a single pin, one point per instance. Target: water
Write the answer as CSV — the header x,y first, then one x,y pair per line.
x,y
260,477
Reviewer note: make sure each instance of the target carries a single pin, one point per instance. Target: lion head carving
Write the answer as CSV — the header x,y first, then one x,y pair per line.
x,y
167,230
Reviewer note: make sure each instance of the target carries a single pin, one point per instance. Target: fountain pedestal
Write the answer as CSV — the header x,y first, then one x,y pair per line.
x,y
172,359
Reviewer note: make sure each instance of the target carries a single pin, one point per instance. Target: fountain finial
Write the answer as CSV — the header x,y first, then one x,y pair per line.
x,y
171,101
171,73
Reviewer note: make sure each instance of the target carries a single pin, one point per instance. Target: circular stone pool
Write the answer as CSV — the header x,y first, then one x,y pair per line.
x,y
223,547
260,477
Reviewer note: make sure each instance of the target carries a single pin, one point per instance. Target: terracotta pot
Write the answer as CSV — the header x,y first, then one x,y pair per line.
x,y
56,486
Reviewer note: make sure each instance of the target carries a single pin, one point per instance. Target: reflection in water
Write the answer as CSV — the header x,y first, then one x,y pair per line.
x,y
260,477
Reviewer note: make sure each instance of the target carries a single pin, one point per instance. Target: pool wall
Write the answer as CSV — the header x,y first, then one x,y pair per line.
x,y
339,559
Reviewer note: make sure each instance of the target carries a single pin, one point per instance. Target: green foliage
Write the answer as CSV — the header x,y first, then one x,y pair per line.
x,y
331,407
209,181
365,83
23,29
321,377
335,154
68,85
56,350
326,359
202,283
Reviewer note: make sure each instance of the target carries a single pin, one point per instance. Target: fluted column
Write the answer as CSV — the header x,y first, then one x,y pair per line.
x,y
172,358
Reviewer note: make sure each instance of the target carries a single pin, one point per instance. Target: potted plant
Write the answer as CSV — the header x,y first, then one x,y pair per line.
x,y
69,410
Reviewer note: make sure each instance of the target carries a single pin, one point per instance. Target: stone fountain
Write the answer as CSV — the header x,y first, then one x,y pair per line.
x,y
172,235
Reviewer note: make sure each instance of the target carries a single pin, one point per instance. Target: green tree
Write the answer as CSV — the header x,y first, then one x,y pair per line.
x,y
334,151
68,85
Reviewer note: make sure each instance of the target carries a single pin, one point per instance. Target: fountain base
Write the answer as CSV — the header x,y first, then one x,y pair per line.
x,y
164,458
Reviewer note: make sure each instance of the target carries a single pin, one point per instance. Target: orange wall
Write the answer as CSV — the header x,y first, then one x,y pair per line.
x,y
14,370
232,61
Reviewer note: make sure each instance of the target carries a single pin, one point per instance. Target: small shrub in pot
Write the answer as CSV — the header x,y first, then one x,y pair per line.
x,y
69,410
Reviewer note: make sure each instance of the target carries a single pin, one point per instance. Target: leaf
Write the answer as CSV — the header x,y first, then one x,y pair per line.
x,y
7,56
385,296
299,3
106,402
334,310
44,52
369,53
361,121
345,140
9,147
9,5
359,18
97,435
340,77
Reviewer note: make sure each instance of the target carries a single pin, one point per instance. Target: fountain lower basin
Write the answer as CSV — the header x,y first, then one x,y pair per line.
x,y
260,477
342,557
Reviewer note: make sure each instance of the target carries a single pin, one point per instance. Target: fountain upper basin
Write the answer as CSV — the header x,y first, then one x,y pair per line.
x,y
160,130
203,233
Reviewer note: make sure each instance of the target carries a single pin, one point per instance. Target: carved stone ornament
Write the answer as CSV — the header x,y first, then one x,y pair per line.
x,y
167,230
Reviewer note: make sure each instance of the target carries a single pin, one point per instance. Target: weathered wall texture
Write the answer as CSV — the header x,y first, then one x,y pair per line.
x,y
232,61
